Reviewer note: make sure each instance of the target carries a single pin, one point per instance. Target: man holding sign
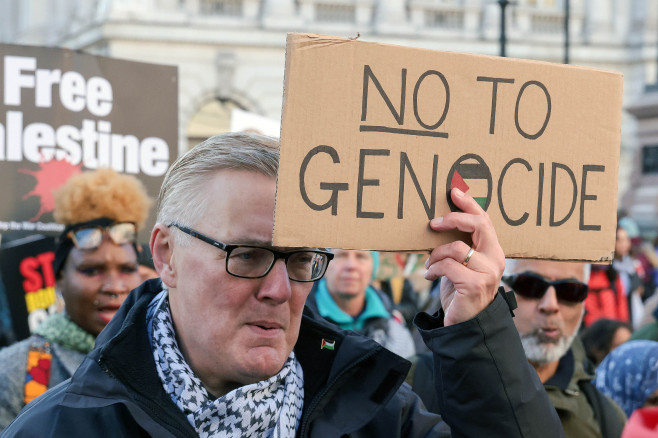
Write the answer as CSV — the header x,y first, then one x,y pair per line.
x,y
222,345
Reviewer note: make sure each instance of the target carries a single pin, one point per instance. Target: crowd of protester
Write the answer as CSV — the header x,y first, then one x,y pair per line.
x,y
589,331
235,349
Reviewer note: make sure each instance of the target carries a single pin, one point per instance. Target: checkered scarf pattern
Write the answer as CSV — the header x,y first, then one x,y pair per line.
x,y
269,408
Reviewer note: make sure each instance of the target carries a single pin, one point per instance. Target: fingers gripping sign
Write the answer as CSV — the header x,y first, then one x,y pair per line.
x,y
471,274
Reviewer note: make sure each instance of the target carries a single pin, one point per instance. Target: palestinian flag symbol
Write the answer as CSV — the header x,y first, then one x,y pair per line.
x,y
327,345
471,175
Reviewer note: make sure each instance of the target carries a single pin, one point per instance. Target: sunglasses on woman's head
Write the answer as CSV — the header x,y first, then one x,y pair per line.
x,y
531,285
91,237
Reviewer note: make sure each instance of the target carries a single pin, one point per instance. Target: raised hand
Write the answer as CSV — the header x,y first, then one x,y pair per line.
x,y
471,279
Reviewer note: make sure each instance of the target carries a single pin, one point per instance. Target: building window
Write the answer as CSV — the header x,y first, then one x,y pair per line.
x,y
449,19
335,13
548,23
650,159
541,3
230,8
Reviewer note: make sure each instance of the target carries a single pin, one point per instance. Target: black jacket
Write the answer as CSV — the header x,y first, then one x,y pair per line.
x,y
487,387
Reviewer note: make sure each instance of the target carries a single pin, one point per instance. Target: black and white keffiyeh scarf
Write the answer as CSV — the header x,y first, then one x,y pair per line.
x,y
269,408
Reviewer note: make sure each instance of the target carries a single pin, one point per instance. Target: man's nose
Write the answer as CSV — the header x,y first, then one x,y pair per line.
x,y
549,302
275,285
351,261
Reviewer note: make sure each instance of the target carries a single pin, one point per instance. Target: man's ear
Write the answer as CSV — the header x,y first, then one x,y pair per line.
x,y
162,250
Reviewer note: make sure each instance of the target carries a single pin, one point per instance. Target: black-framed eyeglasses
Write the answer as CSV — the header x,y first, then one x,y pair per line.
x,y
91,237
531,285
248,261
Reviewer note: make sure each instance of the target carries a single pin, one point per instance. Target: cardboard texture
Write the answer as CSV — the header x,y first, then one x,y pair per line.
x,y
374,136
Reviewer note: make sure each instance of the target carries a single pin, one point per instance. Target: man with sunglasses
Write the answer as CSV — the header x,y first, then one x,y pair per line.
x,y
223,345
550,297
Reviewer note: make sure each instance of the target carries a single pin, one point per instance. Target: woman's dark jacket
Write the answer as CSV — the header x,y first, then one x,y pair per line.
x,y
486,386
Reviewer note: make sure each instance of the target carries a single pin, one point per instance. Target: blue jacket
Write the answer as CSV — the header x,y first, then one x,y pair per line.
x,y
374,322
356,390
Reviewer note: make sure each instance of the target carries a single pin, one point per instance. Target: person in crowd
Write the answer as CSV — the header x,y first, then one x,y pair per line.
x,y
345,297
95,267
647,261
648,326
550,298
649,310
604,336
628,269
629,375
642,252
222,344
606,297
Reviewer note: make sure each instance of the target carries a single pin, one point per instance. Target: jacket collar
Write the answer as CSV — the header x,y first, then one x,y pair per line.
x,y
349,384
123,353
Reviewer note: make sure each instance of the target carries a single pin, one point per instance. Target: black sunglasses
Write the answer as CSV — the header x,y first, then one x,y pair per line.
x,y
531,285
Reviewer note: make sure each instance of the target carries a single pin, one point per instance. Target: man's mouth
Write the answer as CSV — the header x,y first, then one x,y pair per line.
x,y
265,328
549,332
349,282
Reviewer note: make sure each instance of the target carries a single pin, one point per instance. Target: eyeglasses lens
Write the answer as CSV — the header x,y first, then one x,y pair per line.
x,y
254,262
121,233
91,238
306,265
249,262
88,238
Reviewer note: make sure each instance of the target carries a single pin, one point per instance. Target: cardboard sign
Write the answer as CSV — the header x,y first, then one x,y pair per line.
x,y
62,112
27,272
374,136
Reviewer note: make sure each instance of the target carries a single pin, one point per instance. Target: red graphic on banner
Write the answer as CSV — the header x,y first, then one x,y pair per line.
x,y
51,175
458,181
38,271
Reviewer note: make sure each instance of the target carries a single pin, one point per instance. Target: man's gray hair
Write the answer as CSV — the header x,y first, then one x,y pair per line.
x,y
181,198
510,267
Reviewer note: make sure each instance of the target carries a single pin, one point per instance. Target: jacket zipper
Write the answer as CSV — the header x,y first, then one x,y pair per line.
x,y
105,370
316,400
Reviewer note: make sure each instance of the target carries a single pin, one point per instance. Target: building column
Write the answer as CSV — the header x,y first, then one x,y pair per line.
x,y
391,16
280,14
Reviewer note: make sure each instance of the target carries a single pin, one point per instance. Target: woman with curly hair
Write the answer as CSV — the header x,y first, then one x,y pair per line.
x,y
95,268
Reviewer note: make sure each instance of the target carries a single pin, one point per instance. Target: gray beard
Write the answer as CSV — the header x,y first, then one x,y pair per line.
x,y
541,351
